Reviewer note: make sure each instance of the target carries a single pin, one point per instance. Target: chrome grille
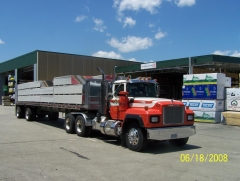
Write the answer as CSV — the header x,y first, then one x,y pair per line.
x,y
173,115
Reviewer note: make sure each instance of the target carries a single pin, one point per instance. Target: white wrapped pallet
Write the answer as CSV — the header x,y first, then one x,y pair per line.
x,y
46,98
232,104
36,91
232,93
30,85
69,99
205,105
66,80
228,82
209,117
68,89
209,78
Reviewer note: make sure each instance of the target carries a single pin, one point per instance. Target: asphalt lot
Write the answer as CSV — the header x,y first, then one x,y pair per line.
x,y
42,150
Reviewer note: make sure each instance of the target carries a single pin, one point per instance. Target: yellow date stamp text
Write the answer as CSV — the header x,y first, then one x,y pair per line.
x,y
214,158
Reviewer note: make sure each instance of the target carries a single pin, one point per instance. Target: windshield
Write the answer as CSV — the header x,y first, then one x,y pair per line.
x,y
141,89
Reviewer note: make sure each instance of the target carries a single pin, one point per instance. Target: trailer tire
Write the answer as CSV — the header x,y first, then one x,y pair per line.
x,y
81,128
30,114
53,116
19,112
69,124
136,137
178,142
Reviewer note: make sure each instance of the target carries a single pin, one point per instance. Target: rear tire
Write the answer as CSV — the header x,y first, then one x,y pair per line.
x,y
30,114
136,137
69,123
19,112
80,127
178,142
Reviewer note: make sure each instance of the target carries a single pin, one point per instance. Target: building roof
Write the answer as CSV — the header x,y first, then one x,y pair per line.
x,y
230,64
19,62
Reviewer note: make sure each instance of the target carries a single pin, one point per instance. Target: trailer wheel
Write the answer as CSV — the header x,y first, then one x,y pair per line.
x,y
178,142
30,114
136,137
19,112
53,116
69,123
81,129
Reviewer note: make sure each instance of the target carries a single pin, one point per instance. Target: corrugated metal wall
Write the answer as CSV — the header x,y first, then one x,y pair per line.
x,y
52,64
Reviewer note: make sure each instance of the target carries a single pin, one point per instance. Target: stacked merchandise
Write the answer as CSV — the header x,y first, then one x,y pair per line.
x,y
11,89
205,94
6,101
232,107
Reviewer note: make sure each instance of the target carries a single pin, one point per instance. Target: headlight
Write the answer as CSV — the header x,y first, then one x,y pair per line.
x,y
154,119
190,117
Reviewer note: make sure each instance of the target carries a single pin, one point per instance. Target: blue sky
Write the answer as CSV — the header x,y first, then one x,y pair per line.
x,y
135,30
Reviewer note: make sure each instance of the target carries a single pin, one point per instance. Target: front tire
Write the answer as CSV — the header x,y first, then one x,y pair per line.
x,y
30,114
178,142
80,127
136,137
69,123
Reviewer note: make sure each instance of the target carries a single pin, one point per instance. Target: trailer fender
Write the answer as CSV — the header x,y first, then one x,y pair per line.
x,y
88,117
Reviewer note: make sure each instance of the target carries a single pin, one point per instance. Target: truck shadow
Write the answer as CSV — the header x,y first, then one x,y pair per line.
x,y
153,147
57,123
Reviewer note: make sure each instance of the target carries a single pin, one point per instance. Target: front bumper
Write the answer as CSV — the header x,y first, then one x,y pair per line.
x,y
171,132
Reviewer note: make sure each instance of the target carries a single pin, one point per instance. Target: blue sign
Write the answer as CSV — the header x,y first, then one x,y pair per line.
x,y
207,105
194,104
200,92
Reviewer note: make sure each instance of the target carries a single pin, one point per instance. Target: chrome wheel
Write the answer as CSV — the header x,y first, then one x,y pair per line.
x,y
67,124
133,136
79,126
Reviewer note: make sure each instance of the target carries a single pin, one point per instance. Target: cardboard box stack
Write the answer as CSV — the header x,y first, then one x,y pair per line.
x,y
205,94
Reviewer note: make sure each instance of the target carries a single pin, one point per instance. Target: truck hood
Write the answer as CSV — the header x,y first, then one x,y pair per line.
x,y
150,102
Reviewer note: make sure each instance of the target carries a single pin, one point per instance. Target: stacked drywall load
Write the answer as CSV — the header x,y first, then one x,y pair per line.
x,y
232,107
204,94
65,89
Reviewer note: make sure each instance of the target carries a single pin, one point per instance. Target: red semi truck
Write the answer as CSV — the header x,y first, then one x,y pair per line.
x,y
126,108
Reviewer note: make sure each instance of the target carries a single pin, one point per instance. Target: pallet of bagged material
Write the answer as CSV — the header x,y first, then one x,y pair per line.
x,y
207,117
232,93
5,98
208,78
6,104
68,99
230,118
205,105
66,80
68,89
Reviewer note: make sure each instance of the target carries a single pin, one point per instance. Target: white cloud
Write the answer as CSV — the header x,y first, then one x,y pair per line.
x,y
133,59
111,54
131,43
236,54
182,3
227,53
2,42
135,5
99,25
80,18
151,25
129,21
159,35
